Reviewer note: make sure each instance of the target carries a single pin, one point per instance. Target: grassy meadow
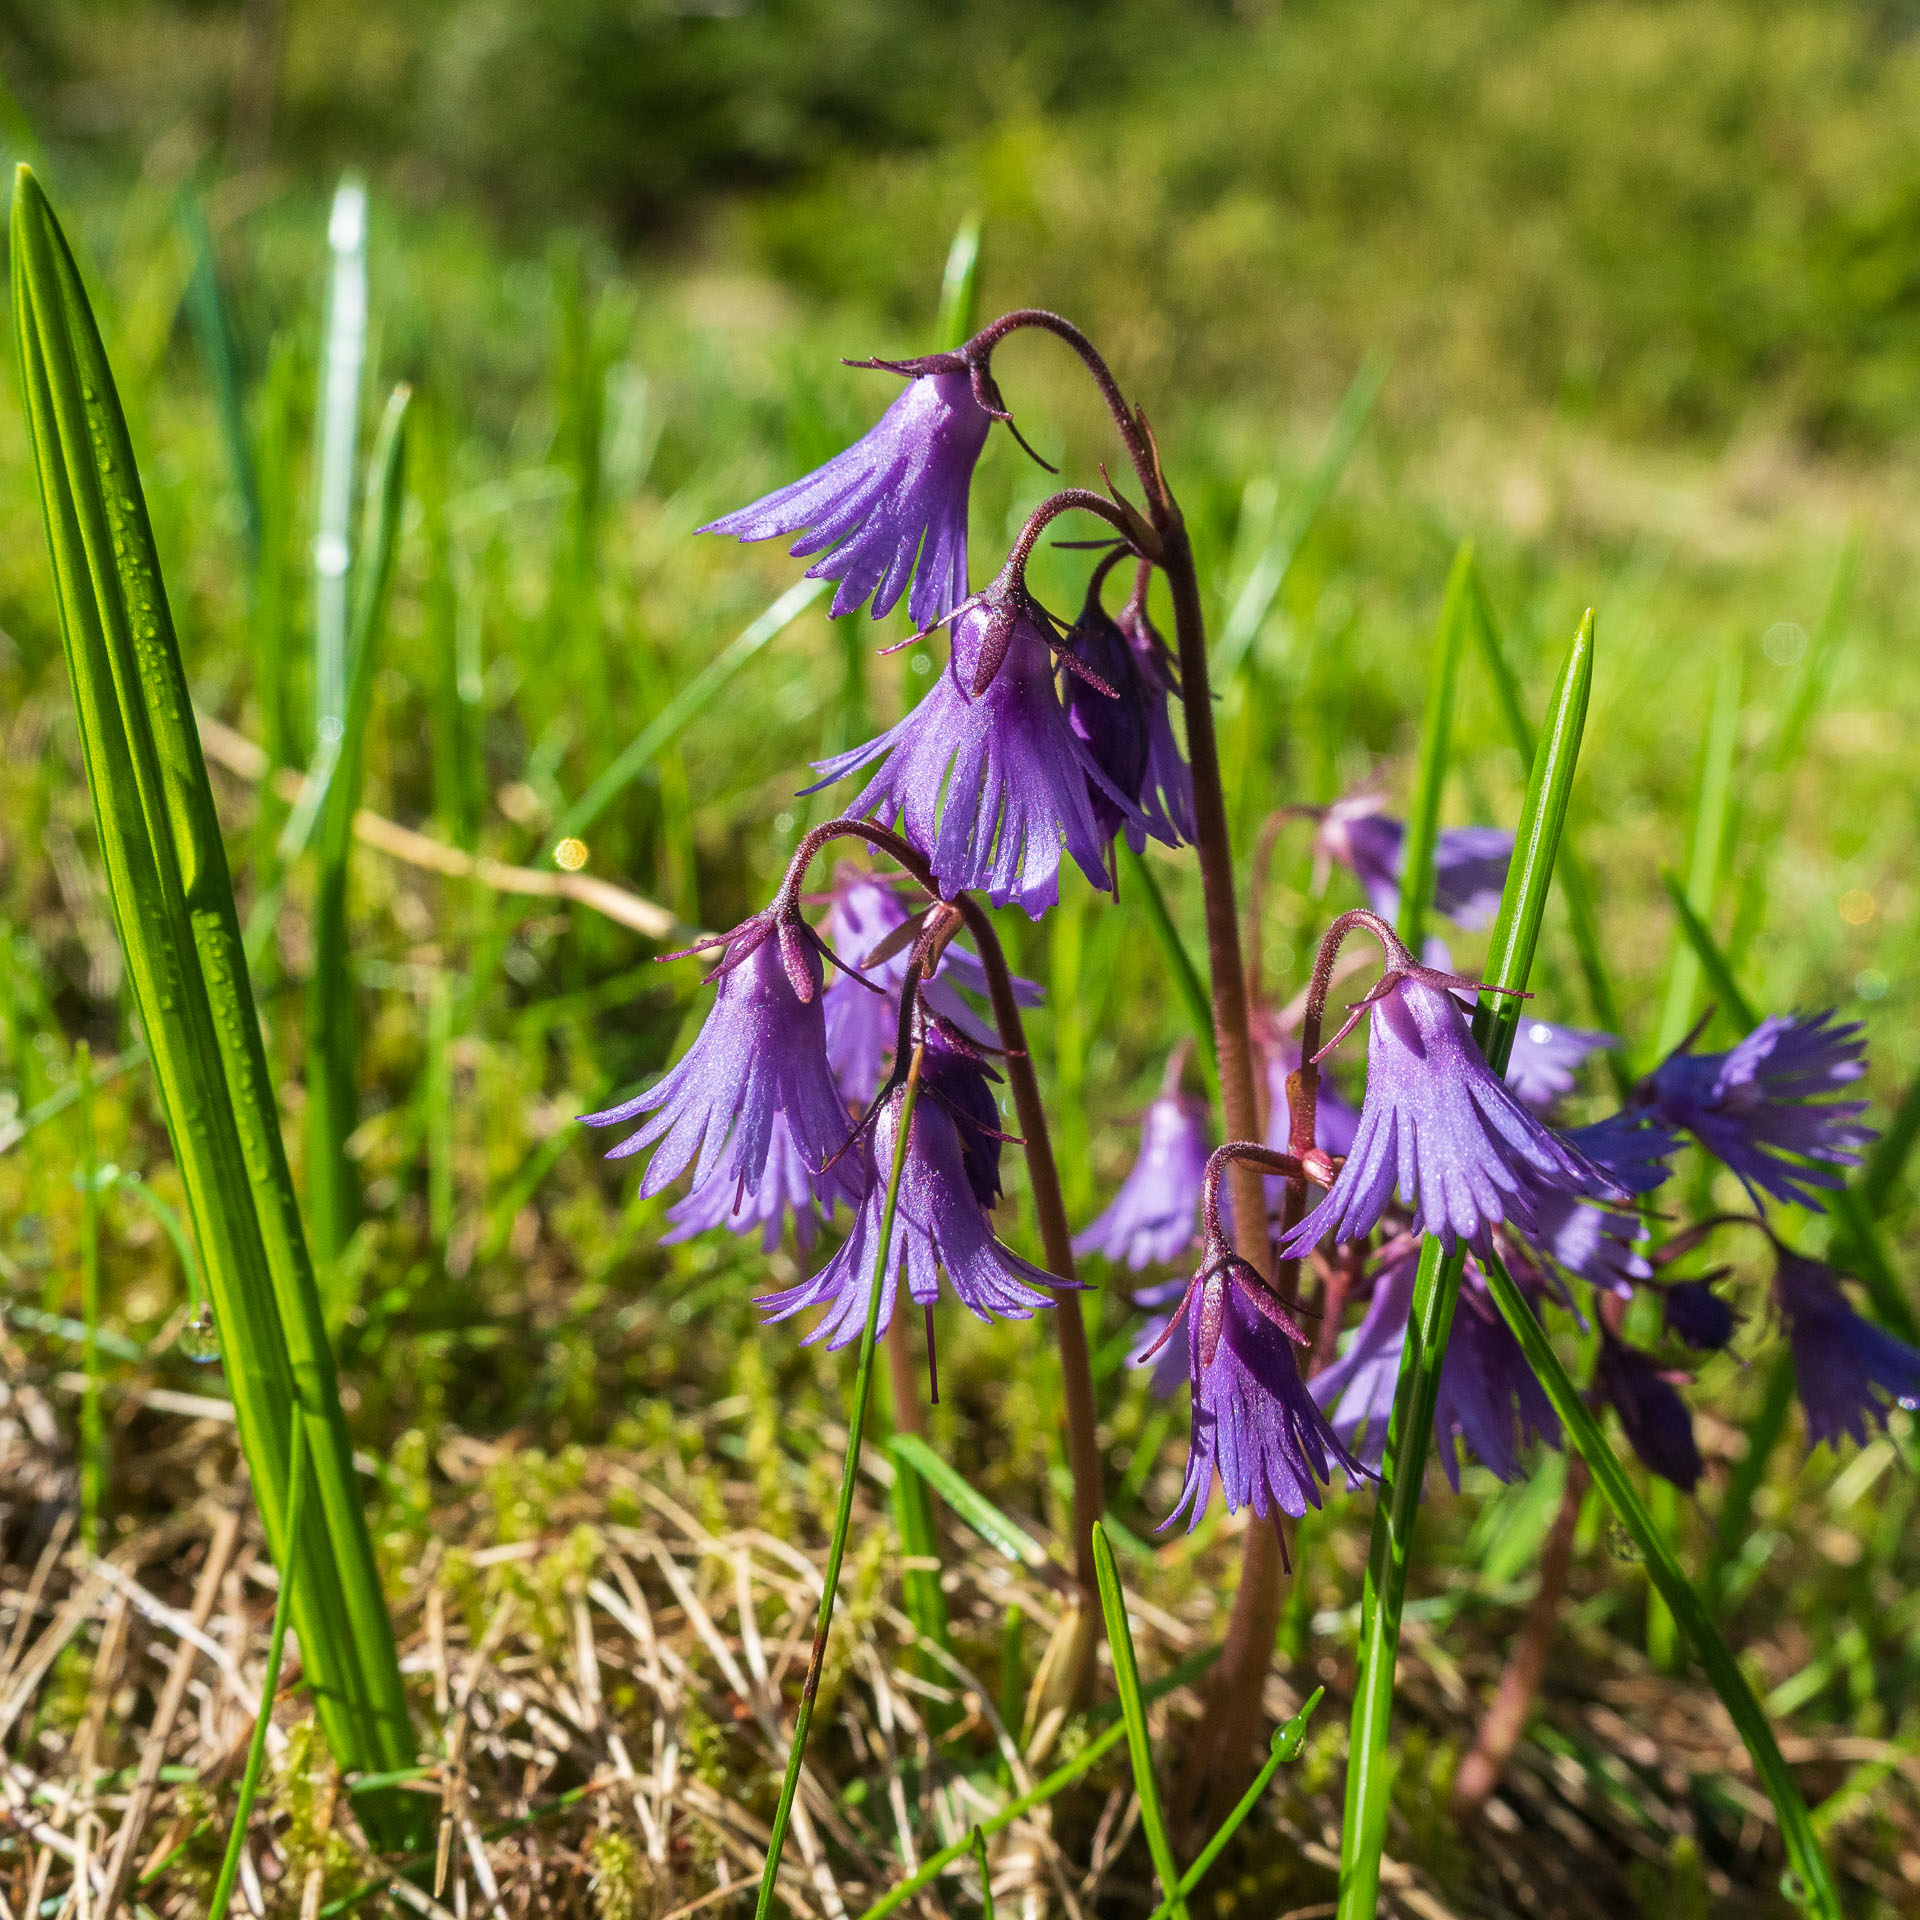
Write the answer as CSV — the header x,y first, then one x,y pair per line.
x,y
1639,281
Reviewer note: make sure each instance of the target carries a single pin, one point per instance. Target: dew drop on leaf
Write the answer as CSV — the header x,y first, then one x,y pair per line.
x,y
199,1339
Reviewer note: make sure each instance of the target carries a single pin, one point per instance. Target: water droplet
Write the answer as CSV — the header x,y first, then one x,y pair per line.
x,y
199,1339
1621,1544
1796,1889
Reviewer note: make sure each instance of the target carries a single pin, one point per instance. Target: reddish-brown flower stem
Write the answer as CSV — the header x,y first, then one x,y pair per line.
x,y
1132,429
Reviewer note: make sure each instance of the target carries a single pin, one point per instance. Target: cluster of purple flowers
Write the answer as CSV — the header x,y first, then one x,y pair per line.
x,y
1041,740
1442,1147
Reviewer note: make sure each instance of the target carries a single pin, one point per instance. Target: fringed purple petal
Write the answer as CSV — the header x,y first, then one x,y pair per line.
x,y
898,494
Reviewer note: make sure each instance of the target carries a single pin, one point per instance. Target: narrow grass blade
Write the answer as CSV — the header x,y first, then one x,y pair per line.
x,y
1783,751
1816,1889
665,726
333,1185
270,1686
1516,935
1746,1476
960,288
213,335
993,1526
1706,854
343,363
454,799
924,1598
843,1518
1713,966
1888,1160
1287,1743
978,1843
172,899
1194,998
1576,887
93,1437
273,636
1056,1782
1262,586
1436,743
1133,1711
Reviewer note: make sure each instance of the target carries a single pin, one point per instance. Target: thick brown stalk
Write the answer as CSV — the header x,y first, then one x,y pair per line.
x,y
1512,1704
1056,1241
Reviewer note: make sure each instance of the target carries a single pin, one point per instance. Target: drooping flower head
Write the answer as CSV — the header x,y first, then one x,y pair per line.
x,y
990,787
1652,1414
1115,724
1489,1400
950,1178
1254,1422
867,927
1600,1243
893,506
1847,1369
1464,1154
1155,1216
1469,863
1540,1068
1696,1316
1166,795
1764,1108
759,1058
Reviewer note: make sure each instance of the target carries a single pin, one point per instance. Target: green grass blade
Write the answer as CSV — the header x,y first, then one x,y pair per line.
x,y
1287,1743
1262,587
1888,1160
843,1517
1194,998
455,796
993,1526
959,315
1436,743
93,1437
1809,1863
1706,855
978,1843
1133,1711
1713,966
270,1686
1811,681
333,1186
665,726
273,625
1516,935
172,898
343,363
1576,887
1745,1477
213,335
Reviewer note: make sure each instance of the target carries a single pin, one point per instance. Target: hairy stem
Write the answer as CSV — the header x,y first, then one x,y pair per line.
x,y
1512,1704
